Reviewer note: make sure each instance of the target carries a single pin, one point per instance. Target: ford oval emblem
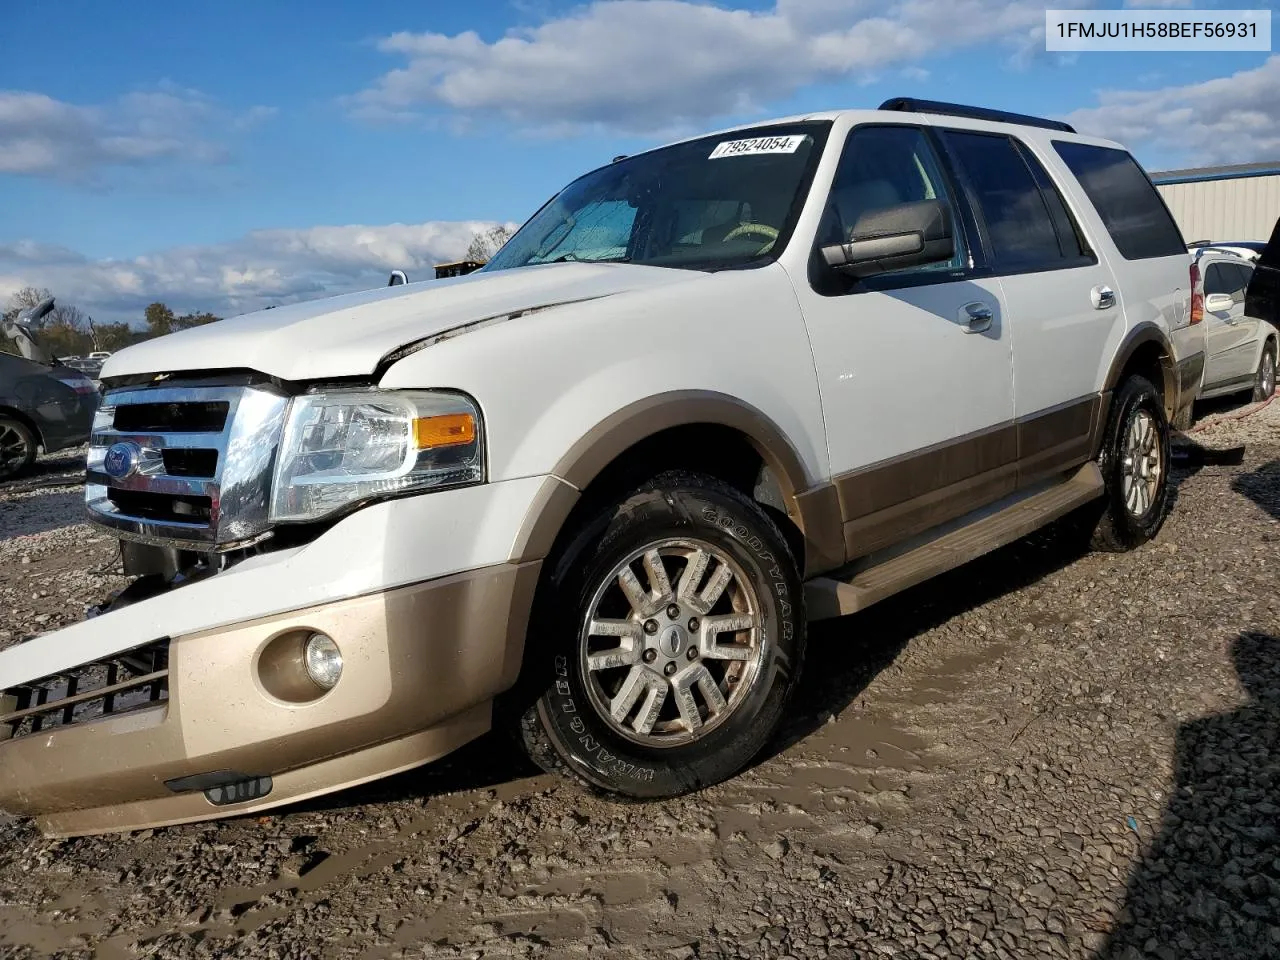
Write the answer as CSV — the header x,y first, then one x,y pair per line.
x,y
121,460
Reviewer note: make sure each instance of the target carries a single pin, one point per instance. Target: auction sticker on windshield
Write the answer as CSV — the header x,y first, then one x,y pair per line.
x,y
742,148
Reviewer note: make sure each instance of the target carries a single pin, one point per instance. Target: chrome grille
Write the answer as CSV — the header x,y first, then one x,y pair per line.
x,y
120,684
185,466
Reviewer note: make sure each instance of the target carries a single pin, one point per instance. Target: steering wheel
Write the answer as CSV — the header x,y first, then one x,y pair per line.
x,y
752,228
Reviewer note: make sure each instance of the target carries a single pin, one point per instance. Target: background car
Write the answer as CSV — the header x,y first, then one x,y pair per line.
x,y
1240,350
89,366
1262,299
1247,249
41,406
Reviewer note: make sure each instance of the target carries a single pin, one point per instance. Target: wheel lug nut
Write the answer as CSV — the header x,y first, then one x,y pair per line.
x,y
651,626
693,624
693,653
669,669
650,656
673,612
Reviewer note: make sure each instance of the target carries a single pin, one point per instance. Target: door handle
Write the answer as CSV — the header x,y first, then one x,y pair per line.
x,y
1102,297
975,317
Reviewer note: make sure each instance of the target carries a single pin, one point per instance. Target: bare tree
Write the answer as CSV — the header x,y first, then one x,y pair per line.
x,y
26,298
487,242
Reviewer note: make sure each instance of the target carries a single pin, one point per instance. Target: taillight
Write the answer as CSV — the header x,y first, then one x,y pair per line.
x,y
1197,295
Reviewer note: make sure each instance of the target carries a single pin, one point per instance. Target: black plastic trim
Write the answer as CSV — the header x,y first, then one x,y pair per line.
x,y
912,105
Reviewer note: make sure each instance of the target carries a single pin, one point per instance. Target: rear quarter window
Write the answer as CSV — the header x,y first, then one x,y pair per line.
x,y
1128,203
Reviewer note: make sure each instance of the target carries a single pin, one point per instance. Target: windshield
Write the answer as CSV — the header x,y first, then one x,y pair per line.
x,y
708,204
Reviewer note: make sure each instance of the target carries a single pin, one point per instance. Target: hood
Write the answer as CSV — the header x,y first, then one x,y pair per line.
x,y
347,335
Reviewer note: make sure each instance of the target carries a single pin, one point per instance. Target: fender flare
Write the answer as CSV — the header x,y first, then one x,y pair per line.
x,y
811,505
1139,336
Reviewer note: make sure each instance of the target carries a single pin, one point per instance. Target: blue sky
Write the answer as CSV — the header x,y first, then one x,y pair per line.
x,y
224,155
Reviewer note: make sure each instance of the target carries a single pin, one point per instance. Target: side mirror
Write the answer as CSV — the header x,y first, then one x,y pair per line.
x,y
906,235
397,278
1218,302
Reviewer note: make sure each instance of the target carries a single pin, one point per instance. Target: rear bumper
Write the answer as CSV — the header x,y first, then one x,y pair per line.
x,y
422,664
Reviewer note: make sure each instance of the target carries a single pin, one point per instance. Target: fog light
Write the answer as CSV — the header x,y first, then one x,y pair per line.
x,y
323,661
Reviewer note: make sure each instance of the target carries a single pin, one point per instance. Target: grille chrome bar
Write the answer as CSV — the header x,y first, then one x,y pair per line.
x,y
229,468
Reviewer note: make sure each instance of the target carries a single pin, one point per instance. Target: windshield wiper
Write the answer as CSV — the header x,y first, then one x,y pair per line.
x,y
564,257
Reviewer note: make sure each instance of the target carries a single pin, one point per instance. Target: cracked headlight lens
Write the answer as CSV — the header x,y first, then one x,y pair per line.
x,y
344,446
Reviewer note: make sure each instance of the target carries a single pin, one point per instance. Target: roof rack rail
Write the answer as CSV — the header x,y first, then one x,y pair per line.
x,y
912,105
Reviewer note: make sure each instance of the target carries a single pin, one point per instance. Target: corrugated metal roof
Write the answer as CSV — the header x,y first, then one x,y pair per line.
x,y
1267,168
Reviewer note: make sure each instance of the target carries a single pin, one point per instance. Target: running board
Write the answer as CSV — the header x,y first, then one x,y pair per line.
x,y
828,597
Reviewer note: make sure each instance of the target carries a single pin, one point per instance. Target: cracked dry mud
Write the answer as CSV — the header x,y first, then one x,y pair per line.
x,y
1044,753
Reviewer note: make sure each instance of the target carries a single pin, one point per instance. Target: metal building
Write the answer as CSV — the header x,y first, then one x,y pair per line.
x,y
1239,202
459,268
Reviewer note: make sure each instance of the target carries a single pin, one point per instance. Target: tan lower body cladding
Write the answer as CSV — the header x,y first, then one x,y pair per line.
x,y
888,502
422,664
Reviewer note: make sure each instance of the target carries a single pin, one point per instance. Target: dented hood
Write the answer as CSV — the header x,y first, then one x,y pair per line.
x,y
346,336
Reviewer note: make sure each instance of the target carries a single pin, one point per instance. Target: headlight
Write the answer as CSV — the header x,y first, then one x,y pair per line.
x,y
344,446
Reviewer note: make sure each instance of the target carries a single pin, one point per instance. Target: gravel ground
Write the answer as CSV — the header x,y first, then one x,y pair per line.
x,y
1041,754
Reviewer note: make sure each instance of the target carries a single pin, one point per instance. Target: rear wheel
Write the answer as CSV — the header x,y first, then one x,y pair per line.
x,y
670,636
1264,385
17,447
1134,461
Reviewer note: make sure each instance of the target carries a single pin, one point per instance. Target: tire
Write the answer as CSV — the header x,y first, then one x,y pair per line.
x,y
1264,384
1134,461
695,705
17,448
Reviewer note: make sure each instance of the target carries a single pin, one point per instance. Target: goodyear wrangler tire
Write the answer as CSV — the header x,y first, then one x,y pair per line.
x,y
673,630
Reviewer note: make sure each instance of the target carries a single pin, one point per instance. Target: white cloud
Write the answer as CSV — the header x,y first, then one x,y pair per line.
x,y
261,268
45,137
646,66
1233,119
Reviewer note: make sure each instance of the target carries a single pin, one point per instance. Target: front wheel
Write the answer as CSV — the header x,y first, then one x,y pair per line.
x,y
1264,384
673,633
1134,461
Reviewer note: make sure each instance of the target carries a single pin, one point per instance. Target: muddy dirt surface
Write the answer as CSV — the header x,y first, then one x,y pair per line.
x,y
1044,753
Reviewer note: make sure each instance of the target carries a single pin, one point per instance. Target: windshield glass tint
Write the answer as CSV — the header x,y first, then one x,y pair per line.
x,y
711,203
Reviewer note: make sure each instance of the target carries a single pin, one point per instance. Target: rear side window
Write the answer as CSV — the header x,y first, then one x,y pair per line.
x,y
1125,199
1242,276
1217,280
1020,228
1228,278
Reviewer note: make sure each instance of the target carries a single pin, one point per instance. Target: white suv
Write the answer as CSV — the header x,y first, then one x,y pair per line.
x,y
596,489
1240,350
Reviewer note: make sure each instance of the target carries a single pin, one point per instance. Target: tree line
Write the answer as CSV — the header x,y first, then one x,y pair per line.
x,y
67,331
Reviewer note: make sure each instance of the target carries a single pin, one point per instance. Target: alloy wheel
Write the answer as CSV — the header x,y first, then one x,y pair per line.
x,y
671,643
14,449
1141,466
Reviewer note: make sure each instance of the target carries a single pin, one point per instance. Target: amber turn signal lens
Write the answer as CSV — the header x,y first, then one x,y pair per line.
x,y
446,430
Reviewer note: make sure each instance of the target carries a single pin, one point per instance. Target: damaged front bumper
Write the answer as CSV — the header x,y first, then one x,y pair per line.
x,y
194,703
